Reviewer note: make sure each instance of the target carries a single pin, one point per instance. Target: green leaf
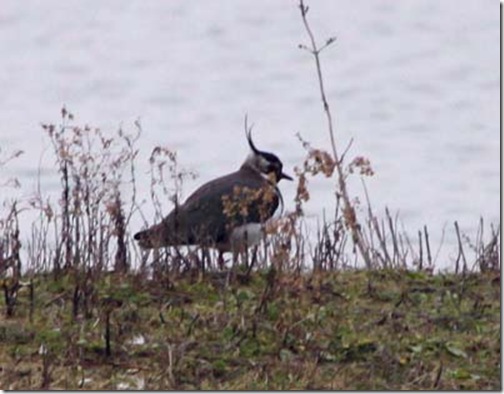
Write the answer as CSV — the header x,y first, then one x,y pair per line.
x,y
455,351
416,349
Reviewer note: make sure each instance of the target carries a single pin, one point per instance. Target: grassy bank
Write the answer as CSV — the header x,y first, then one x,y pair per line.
x,y
347,330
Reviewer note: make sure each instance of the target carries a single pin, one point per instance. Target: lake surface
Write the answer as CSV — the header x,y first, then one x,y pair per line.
x,y
414,83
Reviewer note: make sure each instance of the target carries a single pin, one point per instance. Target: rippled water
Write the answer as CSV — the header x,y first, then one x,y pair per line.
x,y
414,83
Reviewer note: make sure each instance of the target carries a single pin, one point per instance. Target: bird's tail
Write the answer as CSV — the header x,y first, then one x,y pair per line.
x,y
168,232
147,239
143,239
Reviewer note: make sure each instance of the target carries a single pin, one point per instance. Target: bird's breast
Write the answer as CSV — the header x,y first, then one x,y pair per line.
x,y
249,234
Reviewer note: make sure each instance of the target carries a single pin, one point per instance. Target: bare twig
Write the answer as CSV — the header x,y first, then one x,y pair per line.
x,y
420,251
439,373
427,246
393,234
348,209
460,251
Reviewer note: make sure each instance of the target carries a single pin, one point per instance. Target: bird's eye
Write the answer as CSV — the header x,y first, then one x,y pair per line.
x,y
274,167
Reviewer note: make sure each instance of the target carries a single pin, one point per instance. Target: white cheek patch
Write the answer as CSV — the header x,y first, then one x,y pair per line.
x,y
263,163
250,157
265,176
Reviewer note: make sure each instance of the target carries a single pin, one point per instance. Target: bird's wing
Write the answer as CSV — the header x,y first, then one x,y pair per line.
x,y
227,201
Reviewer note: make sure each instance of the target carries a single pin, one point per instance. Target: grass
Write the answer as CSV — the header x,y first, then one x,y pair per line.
x,y
356,329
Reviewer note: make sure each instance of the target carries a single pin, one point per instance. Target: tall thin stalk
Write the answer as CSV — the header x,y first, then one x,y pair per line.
x,y
348,209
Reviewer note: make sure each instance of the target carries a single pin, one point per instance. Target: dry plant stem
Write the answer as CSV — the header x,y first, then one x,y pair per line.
x,y
460,251
420,251
427,246
348,207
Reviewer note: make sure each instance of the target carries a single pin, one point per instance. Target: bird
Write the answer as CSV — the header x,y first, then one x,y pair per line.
x,y
227,213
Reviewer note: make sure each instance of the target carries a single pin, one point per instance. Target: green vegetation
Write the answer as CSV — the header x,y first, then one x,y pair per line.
x,y
384,329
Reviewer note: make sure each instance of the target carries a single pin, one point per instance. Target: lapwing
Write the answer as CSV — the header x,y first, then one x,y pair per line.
x,y
227,213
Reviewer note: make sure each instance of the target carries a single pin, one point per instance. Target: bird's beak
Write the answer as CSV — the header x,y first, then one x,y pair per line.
x,y
285,176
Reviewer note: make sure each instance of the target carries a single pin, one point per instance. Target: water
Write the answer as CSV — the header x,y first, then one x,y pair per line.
x,y
414,83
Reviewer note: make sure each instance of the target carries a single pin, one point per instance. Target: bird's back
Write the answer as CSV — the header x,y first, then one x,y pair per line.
x,y
209,214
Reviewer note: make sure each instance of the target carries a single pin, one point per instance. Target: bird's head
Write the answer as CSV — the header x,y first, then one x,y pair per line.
x,y
267,164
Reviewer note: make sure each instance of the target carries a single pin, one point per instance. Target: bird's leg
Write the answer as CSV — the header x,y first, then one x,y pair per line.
x,y
254,255
220,260
245,256
236,255
254,260
205,255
